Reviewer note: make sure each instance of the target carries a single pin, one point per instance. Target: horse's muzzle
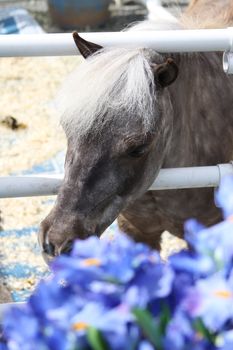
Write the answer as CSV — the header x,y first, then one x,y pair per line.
x,y
49,249
49,254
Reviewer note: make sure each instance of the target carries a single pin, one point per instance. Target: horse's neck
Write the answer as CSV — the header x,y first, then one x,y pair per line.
x,y
202,99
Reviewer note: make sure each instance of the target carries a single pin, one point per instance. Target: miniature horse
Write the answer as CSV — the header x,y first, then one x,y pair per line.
x,y
127,113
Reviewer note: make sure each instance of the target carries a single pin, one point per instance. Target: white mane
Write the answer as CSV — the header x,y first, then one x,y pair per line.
x,y
116,79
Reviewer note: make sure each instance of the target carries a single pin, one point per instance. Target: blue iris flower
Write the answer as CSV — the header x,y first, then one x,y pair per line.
x,y
153,282
121,295
101,260
212,300
224,198
225,340
215,243
195,264
179,332
145,345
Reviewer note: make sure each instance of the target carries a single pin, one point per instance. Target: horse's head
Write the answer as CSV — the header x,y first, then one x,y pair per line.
x,y
117,116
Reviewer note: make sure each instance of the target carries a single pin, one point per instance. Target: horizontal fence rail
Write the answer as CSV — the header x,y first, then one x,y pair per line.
x,y
167,179
202,40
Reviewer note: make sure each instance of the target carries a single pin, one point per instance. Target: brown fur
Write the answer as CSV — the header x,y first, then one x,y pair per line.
x,y
208,14
203,135
203,81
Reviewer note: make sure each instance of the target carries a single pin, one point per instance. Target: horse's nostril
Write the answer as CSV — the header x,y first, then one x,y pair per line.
x,y
49,249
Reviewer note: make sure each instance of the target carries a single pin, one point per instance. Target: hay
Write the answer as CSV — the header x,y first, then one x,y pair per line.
x,y
27,87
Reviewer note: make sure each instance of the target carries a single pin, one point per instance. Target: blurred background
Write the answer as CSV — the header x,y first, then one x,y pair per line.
x,y
88,15
31,139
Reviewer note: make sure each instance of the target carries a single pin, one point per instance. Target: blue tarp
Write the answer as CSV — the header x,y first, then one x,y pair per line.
x,y
15,20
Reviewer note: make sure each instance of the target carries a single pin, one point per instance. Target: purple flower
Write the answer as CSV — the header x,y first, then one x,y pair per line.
x,y
97,278
23,330
194,264
224,196
121,295
182,334
115,324
97,316
145,345
95,259
153,282
216,243
3,346
178,333
106,272
192,227
225,340
211,299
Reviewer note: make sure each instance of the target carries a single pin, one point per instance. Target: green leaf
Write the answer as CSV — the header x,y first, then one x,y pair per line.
x,y
78,348
96,339
201,329
150,327
164,318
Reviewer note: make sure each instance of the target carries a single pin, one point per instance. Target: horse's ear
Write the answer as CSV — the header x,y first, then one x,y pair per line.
x,y
85,47
165,73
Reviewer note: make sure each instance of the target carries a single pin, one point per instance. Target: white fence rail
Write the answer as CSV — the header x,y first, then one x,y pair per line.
x,y
162,41
202,40
167,179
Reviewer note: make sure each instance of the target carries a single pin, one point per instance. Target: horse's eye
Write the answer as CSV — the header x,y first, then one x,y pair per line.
x,y
137,152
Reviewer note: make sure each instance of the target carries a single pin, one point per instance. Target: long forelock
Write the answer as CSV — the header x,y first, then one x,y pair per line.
x,y
116,83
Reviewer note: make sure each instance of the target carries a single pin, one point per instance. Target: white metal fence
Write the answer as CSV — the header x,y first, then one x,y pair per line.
x,y
202,40
177,178
164,41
